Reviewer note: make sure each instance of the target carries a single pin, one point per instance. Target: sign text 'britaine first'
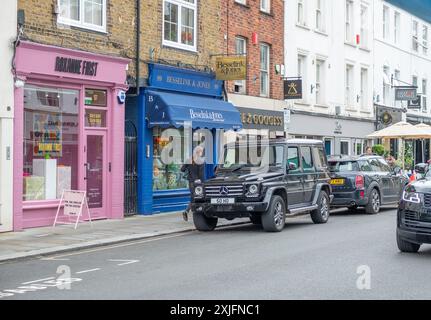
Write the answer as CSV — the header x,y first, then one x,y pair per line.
x,y
76,66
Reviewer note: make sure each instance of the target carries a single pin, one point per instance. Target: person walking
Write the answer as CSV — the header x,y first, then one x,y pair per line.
x,y
195,170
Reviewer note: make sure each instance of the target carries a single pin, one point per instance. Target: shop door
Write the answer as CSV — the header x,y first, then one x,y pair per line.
x,y
96,170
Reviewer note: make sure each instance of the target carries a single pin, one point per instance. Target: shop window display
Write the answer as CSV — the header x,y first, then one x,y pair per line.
x,y
51,131
166,176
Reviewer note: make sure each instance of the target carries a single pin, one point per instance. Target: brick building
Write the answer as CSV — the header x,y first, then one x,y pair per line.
x,y
255,28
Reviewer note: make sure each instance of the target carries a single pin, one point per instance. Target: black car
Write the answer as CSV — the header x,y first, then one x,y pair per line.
x,y
266,183
365,181
414,212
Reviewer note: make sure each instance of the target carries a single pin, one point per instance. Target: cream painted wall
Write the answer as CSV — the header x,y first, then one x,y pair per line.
x,y
8,28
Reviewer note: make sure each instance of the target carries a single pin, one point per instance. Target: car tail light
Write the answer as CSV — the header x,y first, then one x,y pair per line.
x,y
362,194
359,182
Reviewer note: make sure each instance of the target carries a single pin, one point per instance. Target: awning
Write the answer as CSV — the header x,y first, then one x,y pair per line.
x,y
173,110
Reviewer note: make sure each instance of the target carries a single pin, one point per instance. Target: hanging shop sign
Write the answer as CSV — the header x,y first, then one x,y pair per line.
x,y
405,93
76,66
262,119
231,68
415,103
292,89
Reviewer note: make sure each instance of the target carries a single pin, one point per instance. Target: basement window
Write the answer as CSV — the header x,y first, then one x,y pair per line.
x,y
86,14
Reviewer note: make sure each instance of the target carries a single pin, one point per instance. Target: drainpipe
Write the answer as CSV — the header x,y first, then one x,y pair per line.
x,y
138,48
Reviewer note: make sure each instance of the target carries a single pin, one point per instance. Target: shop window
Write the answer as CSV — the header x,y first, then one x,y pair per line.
x,y
50,143
95,118
344,148
167,176
179,23
95,98
88,14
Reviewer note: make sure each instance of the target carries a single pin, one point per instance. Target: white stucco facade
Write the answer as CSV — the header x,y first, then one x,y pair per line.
x,y
397,54
8,29
334,56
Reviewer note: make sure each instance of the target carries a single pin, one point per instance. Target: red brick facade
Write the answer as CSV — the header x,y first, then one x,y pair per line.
x,y
243,20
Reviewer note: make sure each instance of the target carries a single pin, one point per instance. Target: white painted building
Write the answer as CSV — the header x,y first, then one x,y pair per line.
x,y
329,43
8,27
401,57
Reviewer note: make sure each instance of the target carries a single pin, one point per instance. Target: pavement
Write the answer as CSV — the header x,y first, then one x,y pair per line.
x,y
48,240
353,256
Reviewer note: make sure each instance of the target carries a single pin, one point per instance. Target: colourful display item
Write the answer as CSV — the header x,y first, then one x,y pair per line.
x,y
34,188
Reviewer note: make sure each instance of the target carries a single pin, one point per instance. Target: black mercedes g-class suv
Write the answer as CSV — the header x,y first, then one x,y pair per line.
x,y
414,212
266,183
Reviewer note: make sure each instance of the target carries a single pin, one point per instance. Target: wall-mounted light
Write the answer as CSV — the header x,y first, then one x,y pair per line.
x,y
19,83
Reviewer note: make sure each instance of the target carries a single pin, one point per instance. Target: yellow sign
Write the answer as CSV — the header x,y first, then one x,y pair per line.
x,y
231,68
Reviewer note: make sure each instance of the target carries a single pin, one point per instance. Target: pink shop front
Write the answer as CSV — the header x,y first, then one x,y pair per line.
x,y
69,132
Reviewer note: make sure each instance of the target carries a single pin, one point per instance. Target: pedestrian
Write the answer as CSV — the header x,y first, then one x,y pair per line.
x,y
195,170
369,151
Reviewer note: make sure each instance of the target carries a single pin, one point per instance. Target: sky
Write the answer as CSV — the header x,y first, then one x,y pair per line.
x,y
419,8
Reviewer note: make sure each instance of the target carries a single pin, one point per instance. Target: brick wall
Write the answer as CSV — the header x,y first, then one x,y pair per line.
x,y
120,40
41,26
243,20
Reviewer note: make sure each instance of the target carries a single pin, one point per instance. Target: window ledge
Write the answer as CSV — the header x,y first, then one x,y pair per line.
x,y
365,49
351,44
323,33
318,105
268,13
351,109
245,5
365,111
302,103
179,47
77,26
303,26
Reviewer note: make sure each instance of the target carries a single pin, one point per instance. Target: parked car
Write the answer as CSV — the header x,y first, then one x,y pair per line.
x,y
293,180
365,181
414,212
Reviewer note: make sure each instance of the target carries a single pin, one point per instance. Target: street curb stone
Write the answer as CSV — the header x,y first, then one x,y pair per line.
x,y
101,243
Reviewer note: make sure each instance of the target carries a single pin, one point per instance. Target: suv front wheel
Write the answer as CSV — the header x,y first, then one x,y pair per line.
x,y
321,214
405,246
203,223
274,219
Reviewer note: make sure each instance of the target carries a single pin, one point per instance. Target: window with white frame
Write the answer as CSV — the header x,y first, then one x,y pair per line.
x,y
349,85
386,85
179,23
302,73
345,148
264,69
415,43
87,14
425,39
364,88
424,95
241,1
320,15
349,21
364,26
301,19
265,5
397,77
320,73
385,22
397,24
240,49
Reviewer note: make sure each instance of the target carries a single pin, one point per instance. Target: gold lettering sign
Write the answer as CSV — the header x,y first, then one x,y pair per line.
x,y
259,119
231,68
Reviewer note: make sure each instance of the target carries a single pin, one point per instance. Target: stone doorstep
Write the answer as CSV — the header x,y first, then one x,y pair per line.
x,y
91,243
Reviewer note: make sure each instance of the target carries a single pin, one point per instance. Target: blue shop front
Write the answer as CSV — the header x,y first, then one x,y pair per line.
x,y
181,102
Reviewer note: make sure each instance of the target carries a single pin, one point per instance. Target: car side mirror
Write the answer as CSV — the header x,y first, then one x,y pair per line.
x,y
421,168
291,166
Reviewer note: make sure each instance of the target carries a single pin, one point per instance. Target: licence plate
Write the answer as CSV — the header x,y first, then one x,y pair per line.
x,y
222,200
337,181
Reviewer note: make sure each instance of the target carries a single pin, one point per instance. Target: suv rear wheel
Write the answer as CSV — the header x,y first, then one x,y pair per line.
x,y
373,205
274,219
405,246
203,223
321,214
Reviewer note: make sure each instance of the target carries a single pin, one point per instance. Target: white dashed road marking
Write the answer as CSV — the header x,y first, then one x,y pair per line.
x,y
124,262
90,270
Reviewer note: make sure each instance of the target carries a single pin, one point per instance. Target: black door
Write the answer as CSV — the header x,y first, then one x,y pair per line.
x,y
309,174
295,192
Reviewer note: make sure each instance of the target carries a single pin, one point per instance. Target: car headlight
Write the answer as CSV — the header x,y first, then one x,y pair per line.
x,y
253,190
411,197
199,191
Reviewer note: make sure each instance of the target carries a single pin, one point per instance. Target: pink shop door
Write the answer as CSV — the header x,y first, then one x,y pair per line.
x,y
96,170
